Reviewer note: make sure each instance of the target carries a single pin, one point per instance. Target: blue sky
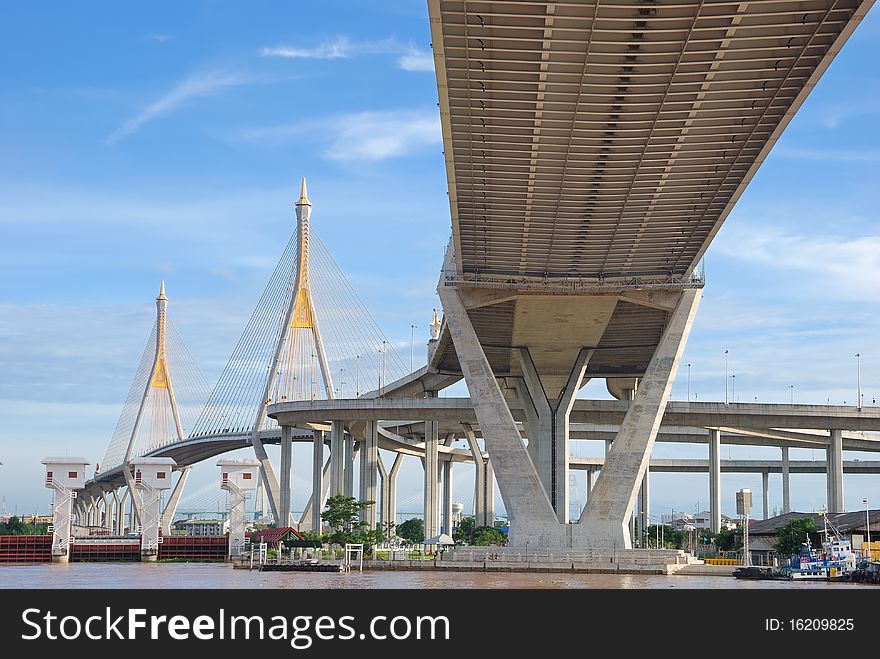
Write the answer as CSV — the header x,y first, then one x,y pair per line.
x,y
167,141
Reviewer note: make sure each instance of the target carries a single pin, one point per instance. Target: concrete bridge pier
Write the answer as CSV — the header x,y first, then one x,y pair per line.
x,y
765,489
786,482
389,492
547,425
337,464
348,454
604,520
446,517
715,480
119,512
484,482
644,518
834,473
432,476
174,500
311,517
284,518
369,472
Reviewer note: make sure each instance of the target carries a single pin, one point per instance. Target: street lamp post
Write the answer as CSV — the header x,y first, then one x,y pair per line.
x,y
412,344
725,377
733,387
689,382
382,373
868,526
357,376
859,380
791,391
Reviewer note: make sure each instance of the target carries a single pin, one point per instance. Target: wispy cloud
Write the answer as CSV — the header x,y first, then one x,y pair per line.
x,y
338,48
382,135
161,38
416,60
359,136
829,155
849,266
410,58
195,86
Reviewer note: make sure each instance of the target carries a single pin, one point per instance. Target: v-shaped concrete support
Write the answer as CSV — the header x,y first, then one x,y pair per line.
x,y
604,521
524,495
547,426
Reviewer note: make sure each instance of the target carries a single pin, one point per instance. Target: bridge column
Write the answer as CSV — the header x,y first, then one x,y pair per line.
x,y
90,512
589,482
174,500
311,517
765,489
337,465
488,494
369,469
834,473
432,476
644,519
605,518
121,506
786,482
114,512
348,464
479,476
532,517
447,497
286,464
312,513
548,426
389,493
715,480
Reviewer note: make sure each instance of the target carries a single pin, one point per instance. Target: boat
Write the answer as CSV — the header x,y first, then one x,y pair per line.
x,y
834,561
755,572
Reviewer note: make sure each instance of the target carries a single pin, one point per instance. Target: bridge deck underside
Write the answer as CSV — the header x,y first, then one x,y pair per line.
x,y
624,343
606,140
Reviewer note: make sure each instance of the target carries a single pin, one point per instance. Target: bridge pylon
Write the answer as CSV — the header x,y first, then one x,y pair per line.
x,y
153,415
298,347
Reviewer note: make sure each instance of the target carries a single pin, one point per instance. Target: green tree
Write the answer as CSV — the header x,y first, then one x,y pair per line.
x,y
342,513
16,527
727,540
791,536
412,530
464,532
484,536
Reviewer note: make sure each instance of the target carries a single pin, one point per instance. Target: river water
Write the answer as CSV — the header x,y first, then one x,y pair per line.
x,y
202,575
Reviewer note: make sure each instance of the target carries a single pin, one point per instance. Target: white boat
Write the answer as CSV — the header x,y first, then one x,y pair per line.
x,y
835,561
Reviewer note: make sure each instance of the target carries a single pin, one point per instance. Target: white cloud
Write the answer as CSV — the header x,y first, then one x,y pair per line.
x,y
338,48
416,60
410,58
382,135
848,266
161,38
360,136
195,86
